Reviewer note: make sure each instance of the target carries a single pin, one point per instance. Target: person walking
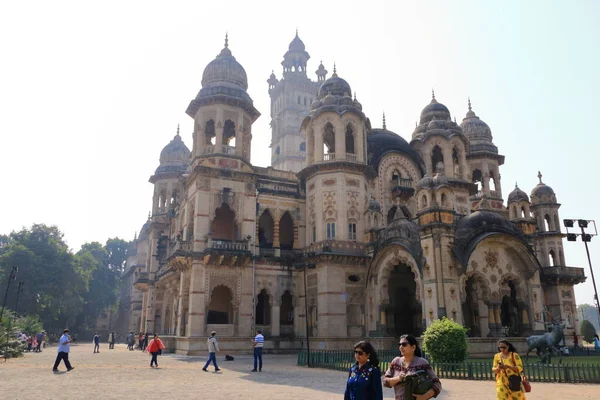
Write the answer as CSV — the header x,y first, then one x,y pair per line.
x,y
213,347
364,378
64,345
257,345
141,341
155,348
96,343
39,339
596,343
131,341
145,341
575,342
507,367
111,340
410,363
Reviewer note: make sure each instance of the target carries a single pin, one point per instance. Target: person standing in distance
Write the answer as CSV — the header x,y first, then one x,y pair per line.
x,y
64,345
213,347
257,344
96,343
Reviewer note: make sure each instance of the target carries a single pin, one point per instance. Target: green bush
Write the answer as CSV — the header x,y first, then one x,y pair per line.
x,y
445,341
30,324
587,330
12,347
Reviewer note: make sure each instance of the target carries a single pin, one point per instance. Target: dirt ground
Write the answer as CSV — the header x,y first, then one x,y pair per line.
x,y
123,374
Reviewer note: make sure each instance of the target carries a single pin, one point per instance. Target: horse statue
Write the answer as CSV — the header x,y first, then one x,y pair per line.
x,y
546,343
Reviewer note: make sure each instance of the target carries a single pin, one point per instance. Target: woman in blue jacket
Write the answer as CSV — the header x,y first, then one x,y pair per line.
x,y
364,379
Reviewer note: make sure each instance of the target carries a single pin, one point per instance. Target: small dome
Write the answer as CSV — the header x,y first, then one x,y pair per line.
x,y
381,141
403,232
346,100
225,71
297,45
357,103
542,193
334,85
329,99
174,157
517,195
436,124
374,205
478,132
425,182
315,104
440,179
434,109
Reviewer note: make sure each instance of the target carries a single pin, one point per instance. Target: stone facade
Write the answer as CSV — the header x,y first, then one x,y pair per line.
x,y
352,233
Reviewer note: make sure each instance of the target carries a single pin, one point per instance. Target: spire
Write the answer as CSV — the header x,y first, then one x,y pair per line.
x,y
335,75
177,131
355,98
540,177
432,94
226,40
384,127
149,215
469,102
135,235
516,185
296,31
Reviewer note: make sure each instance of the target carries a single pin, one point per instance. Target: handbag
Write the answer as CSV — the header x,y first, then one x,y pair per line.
x,y
514,381
418,383
526,384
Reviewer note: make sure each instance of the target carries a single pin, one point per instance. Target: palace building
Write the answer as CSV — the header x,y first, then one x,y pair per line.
x,y
353,232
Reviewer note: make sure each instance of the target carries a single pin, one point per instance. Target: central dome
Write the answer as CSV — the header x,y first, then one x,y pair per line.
x,y
334,85
225,71
381,141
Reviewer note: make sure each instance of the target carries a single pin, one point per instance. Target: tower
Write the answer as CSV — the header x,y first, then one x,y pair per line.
x,y
519,211
291,98
484,160
223,113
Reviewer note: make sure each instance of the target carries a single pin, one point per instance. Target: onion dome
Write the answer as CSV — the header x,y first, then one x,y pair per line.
x,y
404,233
542,193
381,142
321,72
434,109
478,132
517,195
315,104
346,100
356,102
295,59
297,45
374,205
174,157
272,81
329,99
334,85
225,70
425,182
473,228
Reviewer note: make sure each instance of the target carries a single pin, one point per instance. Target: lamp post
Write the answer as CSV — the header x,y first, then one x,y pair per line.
x,y
11,277
304,265
585,238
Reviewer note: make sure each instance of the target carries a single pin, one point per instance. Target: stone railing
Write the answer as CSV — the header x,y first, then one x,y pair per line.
x,y
218,244
277,188
329,157
179,246
228,149
350,157
208,150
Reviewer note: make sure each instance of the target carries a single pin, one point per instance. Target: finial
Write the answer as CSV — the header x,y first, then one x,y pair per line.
x,y
516,185
432,94
135,235
296,31
416,124
540,177
455,119
226,40
149,214
384,127
354,95
469,103
177,130
334,71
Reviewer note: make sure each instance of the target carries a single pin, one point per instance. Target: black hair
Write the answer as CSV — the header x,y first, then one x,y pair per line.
x,y
413,342
258,330
510,346
368,348
156,334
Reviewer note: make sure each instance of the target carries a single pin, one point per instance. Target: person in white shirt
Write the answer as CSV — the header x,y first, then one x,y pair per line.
x,y
64,345
213,347
257,344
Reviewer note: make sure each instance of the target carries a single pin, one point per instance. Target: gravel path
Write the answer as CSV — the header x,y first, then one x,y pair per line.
x,y
123,374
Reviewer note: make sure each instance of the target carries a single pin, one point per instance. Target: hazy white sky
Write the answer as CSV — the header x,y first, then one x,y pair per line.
x,y
90,93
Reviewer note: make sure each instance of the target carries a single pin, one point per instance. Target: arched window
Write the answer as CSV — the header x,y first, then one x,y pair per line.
x,y
444,200
302,149
352,231
547,223
375,221
229,133
299,102
349,140
437,159
523,213
265,230
330,230
263,309
423,201
286,312
209,133
552,258
220,309
456,163
478,179
329,139
492,181
223,226
286,232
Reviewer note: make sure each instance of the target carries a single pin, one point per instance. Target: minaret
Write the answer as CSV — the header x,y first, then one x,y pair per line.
x,y
291,98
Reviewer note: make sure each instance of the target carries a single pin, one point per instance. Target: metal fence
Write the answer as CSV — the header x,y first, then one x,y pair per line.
x,y
342,360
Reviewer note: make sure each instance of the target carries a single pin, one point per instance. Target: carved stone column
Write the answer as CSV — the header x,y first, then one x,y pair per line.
x,y
180,305
275,310
196,317
491,320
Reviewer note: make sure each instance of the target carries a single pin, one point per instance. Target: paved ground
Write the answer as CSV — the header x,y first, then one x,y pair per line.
x,y
121,374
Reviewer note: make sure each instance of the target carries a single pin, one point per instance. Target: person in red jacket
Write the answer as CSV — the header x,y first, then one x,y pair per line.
x,y
155,348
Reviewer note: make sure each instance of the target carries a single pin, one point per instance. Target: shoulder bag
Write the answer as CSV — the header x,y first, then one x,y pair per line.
x,y
418,383
514,381
525,382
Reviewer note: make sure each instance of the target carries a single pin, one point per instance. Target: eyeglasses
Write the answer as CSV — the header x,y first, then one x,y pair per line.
x,y
360,353
502,347
403,344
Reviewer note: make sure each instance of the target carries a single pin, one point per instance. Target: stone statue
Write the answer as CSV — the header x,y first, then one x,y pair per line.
x,y
545,344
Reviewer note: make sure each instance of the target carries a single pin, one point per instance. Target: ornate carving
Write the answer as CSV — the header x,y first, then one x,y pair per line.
x,y
491,258
352,182
329,182
228,280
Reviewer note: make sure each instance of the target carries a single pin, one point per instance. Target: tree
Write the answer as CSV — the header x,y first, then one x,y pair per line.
x,y
117,254
54,282
589,312
445,341
587,331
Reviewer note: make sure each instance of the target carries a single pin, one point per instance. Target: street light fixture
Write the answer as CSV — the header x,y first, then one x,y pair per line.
x,y
585,238
305,266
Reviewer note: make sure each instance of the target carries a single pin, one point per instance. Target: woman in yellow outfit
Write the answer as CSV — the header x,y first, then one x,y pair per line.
x,y
507,363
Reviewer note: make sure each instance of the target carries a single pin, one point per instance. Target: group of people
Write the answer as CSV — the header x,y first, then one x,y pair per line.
x,y
35,341
412,377
142,341
257,346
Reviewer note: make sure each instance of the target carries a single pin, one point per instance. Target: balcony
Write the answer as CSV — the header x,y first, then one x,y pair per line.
x,y
228,149
227,252
402,186
557,275
350,157
212,149
329,157
141,283
343,157
208,150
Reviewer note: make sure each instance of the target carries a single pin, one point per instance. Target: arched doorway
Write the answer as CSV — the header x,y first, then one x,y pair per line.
x,y
220,309
265,230
474,307
286,232
286,312
263,309
404,314
509,311
223,226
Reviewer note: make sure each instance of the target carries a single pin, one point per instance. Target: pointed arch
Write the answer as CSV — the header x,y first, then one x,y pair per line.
x,y
437,158
223,225
229,133
328,139
266,228
209,133
286,231
350,139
